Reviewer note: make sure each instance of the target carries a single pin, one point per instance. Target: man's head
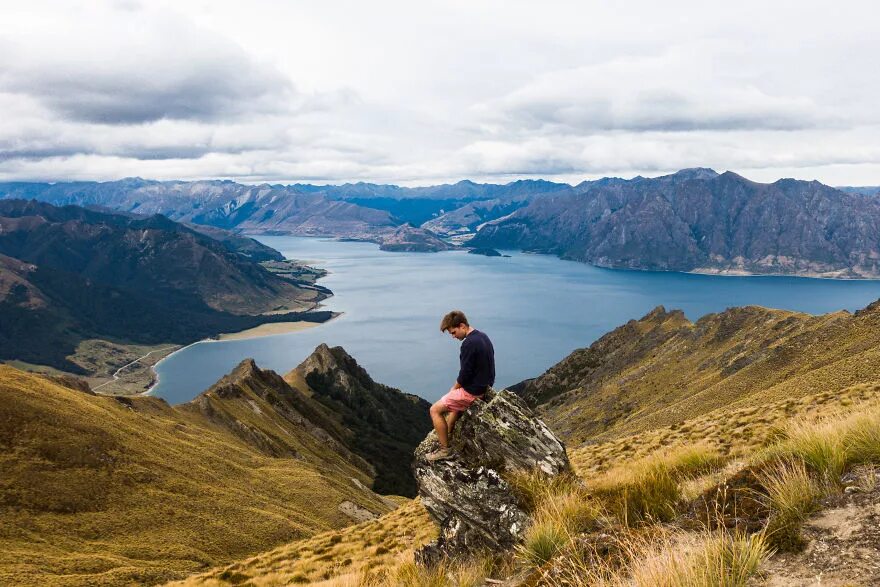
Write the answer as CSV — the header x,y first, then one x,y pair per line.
x,y
456,324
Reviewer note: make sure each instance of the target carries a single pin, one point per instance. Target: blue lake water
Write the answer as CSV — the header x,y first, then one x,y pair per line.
x,y
535,308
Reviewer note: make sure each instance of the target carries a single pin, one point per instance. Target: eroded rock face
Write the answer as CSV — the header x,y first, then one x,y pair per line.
x,y
468,496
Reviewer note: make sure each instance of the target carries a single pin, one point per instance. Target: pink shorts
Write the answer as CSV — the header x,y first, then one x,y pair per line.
x,y
458,400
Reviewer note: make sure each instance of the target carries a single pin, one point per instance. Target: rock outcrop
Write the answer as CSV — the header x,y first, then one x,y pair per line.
x,y
468,496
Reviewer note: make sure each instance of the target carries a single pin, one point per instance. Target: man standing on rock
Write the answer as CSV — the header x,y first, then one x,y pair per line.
x,y
476,374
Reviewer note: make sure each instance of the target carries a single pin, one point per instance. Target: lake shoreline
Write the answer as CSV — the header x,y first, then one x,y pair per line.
x,y
269,329
536,308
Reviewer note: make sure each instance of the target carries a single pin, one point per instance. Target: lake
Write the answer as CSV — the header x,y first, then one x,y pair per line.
x,y
535,308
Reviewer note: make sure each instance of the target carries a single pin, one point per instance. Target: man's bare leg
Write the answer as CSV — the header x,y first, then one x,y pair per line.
x,y
451,419
438,417
439,414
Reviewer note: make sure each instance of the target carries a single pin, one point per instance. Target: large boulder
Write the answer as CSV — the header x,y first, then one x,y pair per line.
x,y
468,496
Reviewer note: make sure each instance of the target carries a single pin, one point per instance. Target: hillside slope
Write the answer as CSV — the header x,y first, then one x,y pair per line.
x,y
715,393
83,274
382,424
104,490
663,368
698,220
111,490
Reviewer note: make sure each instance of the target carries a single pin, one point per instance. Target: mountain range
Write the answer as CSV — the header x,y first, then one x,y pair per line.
x,y
694,220
707,397
68,274
701,221
361,211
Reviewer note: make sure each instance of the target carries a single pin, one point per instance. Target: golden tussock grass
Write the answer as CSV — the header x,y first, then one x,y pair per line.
x,y
735,432
102,490
650,488
557,520
622,502
710,559
362,552
793,494
664,370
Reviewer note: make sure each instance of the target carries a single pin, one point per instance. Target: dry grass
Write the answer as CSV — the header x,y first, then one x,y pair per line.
x,y
370,551
567,507
471,573
650,488
862,438
710,559
793,494
105,491
830,445
561,509
733,432
819,444
664,370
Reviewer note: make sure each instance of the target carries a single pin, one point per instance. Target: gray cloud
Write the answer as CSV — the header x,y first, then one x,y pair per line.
x,y
164,68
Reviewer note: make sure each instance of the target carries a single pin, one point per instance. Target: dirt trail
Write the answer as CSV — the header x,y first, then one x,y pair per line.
x,y
843,543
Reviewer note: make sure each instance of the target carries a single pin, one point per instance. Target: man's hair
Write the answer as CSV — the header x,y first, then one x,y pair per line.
x,y
453,319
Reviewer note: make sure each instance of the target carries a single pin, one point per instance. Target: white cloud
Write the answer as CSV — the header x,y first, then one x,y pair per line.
x,y
681,90
418,93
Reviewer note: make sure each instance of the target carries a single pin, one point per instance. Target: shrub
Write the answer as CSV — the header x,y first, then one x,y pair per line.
x,y
820,444
544,539
643,491
862,438
792,496
716,558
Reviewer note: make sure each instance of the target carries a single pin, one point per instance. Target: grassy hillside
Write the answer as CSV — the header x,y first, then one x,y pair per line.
x,y
379,553
107,490
668,420
664,369
377,544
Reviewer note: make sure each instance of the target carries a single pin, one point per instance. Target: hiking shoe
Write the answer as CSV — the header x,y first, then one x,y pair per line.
x,y
441,454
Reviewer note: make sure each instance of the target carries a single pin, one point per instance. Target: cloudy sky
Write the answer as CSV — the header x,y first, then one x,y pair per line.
x,y
432,91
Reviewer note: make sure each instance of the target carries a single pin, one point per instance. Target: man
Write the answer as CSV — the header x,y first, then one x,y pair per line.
x,y
476,374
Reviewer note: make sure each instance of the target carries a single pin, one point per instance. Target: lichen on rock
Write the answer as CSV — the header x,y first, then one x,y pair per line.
x,y
467,496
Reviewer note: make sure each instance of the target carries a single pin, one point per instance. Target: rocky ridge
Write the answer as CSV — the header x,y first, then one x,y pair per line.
x,y
663,368
381,424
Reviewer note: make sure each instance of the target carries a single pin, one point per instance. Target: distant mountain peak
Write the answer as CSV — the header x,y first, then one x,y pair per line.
x,y
696,173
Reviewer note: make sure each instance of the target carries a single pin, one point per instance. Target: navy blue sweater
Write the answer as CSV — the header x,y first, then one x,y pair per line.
x,y
477,358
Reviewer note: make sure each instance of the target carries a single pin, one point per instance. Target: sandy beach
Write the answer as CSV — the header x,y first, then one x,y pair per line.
x,y
268,330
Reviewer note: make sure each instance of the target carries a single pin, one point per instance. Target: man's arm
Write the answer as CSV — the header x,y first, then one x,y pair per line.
x,y
468,365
